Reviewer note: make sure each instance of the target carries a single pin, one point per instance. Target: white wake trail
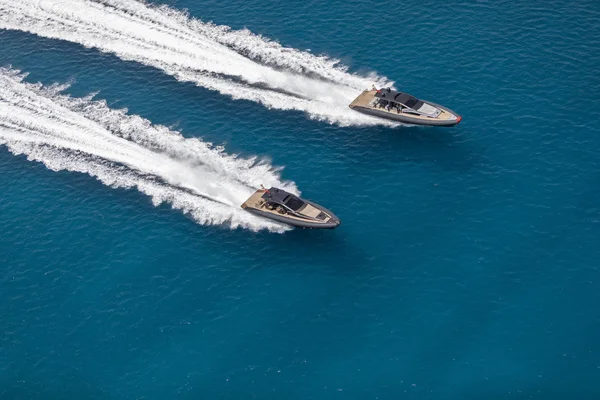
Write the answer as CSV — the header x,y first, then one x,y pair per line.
x,y
236,63
121,150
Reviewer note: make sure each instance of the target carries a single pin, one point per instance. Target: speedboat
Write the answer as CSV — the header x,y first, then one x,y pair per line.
x,y
402,107
282,206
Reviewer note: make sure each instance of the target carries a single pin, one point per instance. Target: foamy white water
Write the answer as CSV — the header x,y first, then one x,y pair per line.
x,y
127,151
236,63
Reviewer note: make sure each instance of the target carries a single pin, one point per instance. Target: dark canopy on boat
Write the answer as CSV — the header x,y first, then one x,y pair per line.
x,y
280,196
399,97
276,195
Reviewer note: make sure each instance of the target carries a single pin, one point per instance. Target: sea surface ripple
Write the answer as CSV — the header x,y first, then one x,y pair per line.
x,y
467,262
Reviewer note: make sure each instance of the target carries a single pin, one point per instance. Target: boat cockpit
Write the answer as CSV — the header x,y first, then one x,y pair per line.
x,y
286,203
399,102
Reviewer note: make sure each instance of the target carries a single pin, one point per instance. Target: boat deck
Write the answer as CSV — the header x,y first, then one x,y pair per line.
x,y
257,202
365,100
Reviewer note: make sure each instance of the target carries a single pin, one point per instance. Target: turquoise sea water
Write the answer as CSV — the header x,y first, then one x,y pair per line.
x,y
467,263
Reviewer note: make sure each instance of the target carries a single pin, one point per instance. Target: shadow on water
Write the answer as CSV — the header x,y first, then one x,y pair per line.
x,y
325,251
448,148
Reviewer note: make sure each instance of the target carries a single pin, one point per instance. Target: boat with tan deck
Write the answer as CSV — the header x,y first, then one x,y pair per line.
x,y
397,106
282,206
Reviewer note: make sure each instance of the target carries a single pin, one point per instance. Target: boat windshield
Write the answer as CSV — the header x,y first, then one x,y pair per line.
x,y
411,103
294,203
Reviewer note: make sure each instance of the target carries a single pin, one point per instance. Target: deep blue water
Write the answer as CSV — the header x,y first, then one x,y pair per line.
x,y
467,264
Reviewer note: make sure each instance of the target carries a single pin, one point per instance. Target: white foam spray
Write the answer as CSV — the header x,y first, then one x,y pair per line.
x,y
127,151
236,63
